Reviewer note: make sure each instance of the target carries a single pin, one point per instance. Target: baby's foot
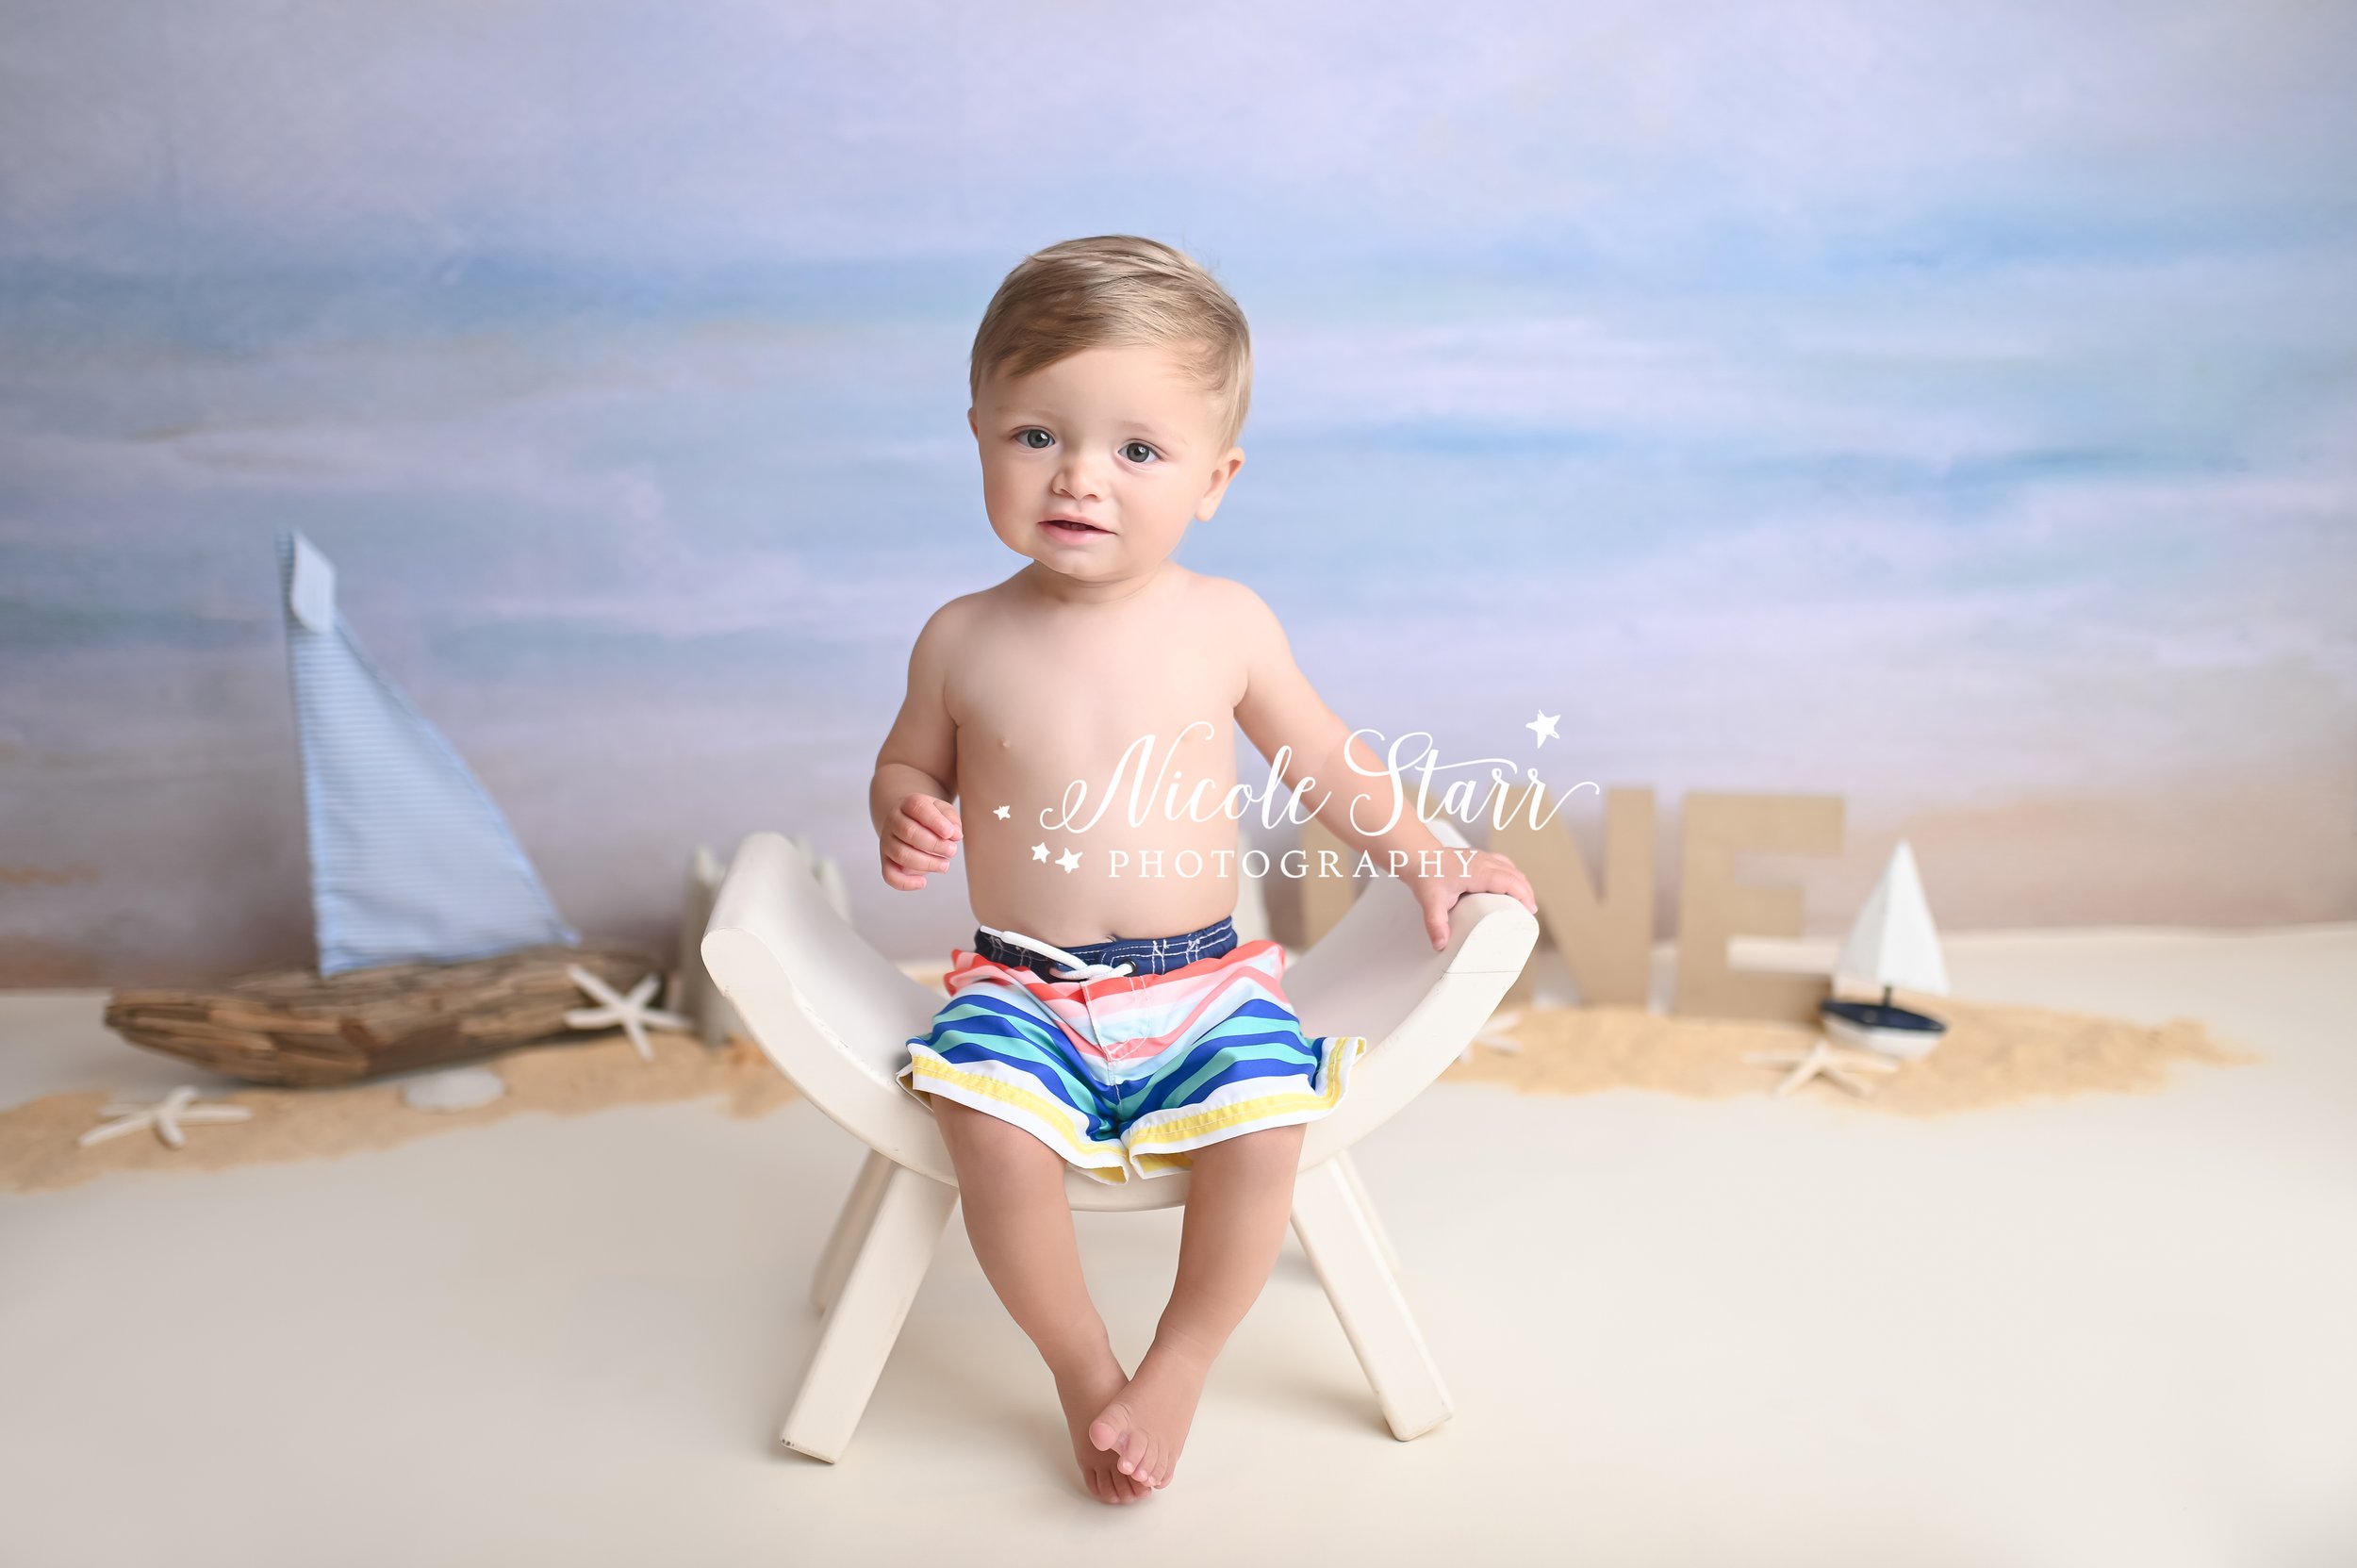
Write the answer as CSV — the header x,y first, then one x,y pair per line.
x,y
1082,1393
1146,1424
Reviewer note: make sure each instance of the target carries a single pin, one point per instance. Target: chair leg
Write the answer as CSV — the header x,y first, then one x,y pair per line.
x,y
850,1230
1366,1207
1343,1249
860,1328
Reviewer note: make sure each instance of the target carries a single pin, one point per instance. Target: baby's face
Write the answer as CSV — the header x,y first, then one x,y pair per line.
x,y
1116,436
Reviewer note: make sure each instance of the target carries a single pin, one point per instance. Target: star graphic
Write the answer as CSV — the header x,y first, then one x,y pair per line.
x,y
165,1116
1068,860
1544,727
1039,851
1819,1058
1000,814
631,1012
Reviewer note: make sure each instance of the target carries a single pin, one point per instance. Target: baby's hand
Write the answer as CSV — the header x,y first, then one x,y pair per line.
x,y
1484,873
924,833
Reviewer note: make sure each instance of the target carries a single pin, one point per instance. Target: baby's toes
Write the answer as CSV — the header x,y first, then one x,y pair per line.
x,y
1135,1448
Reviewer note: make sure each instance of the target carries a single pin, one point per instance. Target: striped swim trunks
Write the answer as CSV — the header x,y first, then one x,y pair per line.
x,y
1124,1055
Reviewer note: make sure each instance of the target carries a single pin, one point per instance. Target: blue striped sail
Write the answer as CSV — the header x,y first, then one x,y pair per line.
x,y
411,862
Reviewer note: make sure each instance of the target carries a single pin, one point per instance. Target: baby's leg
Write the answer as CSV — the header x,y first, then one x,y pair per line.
x,y
1011,1191
1240,1196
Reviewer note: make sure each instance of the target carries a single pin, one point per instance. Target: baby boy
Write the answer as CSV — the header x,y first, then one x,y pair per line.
x,y
1107,1018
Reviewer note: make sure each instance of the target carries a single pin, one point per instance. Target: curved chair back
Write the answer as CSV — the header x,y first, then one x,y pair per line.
x,y
830,1011
1377,974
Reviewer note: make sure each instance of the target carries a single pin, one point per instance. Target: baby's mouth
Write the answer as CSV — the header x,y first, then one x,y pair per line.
x,y
1064,528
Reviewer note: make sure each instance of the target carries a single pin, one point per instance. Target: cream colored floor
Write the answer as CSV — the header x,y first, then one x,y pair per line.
x,y
2108,1332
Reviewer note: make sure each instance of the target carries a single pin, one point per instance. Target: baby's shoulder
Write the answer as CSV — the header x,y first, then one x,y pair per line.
x,y
1231,607
947,636
958,617
1224,594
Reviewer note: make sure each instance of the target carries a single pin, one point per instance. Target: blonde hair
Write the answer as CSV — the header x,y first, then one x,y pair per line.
x,y
1118,289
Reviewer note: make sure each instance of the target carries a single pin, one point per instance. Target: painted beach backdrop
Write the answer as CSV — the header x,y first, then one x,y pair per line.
x,y
1953,410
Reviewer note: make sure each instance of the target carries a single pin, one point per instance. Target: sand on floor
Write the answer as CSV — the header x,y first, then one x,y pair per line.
x,y
568,1077
1990,1055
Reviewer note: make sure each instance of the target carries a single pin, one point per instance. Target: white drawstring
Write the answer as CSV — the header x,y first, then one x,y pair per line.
x,y
1078,971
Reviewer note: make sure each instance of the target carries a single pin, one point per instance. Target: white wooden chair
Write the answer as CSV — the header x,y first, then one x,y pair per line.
x,y
836,1015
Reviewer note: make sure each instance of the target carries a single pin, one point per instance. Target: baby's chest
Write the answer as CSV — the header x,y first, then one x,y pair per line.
x,y
1051,713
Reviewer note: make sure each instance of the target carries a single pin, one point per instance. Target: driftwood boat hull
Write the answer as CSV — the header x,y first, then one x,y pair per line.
x,y
295,1027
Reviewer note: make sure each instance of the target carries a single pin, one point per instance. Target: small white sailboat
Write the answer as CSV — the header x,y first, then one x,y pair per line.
x,y
1892,942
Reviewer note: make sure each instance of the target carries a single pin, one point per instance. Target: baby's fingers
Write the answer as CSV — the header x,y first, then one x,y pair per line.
x,y
938,817
1494,873
1437,897
917,851
908,830
1517,886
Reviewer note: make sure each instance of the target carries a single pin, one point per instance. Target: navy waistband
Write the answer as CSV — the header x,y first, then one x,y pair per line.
x,y
1153,955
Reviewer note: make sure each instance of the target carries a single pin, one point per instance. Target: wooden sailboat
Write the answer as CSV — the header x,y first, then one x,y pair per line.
x,y
436,941
1893,943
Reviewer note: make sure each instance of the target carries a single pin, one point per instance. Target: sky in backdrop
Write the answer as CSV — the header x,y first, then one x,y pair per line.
x,y
1951,411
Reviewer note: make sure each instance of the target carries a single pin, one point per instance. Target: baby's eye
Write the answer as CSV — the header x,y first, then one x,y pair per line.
x,y
1127,447
1030,431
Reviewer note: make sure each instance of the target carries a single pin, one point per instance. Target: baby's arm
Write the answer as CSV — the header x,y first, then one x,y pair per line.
x,y
1280,709
917,830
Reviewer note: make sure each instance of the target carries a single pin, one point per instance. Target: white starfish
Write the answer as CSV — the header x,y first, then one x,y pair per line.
x,y
165,1116
1543,726
631,1012
1000,814
1495,1035
1819,1058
